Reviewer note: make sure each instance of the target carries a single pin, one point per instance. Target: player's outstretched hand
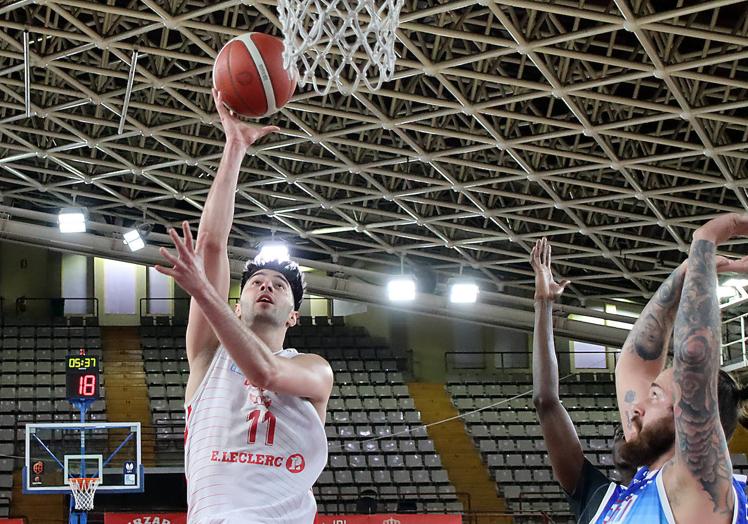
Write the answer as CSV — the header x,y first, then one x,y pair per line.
x,y
721,229
237,131
730,265
546,288
188,269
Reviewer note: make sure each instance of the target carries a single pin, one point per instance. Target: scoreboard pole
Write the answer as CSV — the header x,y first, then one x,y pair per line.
x,y
78,371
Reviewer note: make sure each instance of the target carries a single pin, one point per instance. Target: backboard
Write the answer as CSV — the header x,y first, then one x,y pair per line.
x,y
56,452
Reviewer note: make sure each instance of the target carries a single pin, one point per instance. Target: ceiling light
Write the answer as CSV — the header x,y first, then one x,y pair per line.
x,y
463,291
273,251
72,220
133,240
401,289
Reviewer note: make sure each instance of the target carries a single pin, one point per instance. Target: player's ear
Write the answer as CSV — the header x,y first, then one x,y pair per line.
x,y
238,309
293,319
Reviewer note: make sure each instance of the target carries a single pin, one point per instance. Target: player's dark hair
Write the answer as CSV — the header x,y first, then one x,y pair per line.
x,y
731,399
290,271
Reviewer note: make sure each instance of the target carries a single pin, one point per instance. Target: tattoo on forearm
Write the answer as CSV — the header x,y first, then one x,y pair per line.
x,y
629,398
650,338
650,332
701,443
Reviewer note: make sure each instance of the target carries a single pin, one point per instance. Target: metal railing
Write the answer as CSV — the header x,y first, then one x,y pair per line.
x,y
56,306
145,309
733,348
520,361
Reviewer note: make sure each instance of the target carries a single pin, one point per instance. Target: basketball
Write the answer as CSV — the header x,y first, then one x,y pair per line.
x,y
249,72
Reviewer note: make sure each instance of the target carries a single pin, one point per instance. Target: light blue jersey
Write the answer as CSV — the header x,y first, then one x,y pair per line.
x,y
645,500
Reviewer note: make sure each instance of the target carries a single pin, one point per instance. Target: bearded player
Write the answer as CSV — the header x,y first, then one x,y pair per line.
x,y
594,497
676,431
254,438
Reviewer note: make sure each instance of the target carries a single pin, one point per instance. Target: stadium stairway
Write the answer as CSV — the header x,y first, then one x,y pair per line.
x,y
459,455
127,391
739,441
37,509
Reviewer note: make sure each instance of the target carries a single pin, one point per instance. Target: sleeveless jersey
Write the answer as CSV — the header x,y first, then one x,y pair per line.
x,y
251,456
645,500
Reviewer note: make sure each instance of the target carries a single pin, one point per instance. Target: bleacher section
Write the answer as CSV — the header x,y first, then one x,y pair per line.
x,y
32,386
511,444
369,418
166,367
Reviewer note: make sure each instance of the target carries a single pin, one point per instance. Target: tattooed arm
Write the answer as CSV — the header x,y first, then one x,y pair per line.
x,y
561,440
644,352
700,473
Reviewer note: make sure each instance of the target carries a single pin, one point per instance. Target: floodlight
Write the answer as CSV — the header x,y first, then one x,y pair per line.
x,y
273,251
726,291
463,291
401,289
133,240
72,220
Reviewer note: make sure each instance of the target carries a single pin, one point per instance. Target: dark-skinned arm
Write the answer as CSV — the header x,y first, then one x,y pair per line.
x,y
561,440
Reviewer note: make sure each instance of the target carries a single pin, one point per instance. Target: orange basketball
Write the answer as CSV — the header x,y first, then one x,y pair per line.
x,y
249,73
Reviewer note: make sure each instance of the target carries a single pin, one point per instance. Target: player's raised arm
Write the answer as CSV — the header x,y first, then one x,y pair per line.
x,y
212,237
307,376
699,478
644,352
564,449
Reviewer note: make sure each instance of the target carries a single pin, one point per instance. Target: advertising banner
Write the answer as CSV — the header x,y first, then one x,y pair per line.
x,y
145,518
388,519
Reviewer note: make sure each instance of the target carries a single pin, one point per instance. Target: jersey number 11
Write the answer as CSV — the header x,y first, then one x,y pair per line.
x,y
256,417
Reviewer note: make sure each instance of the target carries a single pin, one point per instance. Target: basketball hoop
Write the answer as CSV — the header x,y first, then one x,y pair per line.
x,y
83,491
340,42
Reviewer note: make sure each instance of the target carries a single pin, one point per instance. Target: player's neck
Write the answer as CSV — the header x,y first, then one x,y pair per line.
x,y
272,335
662,460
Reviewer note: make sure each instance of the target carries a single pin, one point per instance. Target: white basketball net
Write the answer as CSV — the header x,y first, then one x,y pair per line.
x,y
83,491
340,43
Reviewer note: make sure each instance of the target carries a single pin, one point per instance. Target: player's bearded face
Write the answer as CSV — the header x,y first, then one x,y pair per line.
x,y
650,442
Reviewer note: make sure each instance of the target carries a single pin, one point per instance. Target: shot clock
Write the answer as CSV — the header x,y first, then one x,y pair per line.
x,y
82,377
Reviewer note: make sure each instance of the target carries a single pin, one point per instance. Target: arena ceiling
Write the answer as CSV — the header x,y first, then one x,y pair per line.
x,y
614,128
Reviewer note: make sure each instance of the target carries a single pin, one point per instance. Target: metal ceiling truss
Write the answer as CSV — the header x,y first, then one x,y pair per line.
x,y
614,128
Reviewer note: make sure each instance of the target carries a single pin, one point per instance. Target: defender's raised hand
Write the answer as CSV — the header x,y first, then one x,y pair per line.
x,y
546,288
729,265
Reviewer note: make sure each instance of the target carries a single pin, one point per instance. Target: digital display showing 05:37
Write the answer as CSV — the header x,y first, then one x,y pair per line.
x,y
82,378
82,362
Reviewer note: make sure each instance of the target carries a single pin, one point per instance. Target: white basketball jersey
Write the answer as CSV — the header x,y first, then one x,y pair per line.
x,y
251,456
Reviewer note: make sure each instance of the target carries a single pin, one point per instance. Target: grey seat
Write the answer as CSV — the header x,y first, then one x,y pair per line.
x,y
395,461
343,477
382,476
363,477
414,461
338,462
375,461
